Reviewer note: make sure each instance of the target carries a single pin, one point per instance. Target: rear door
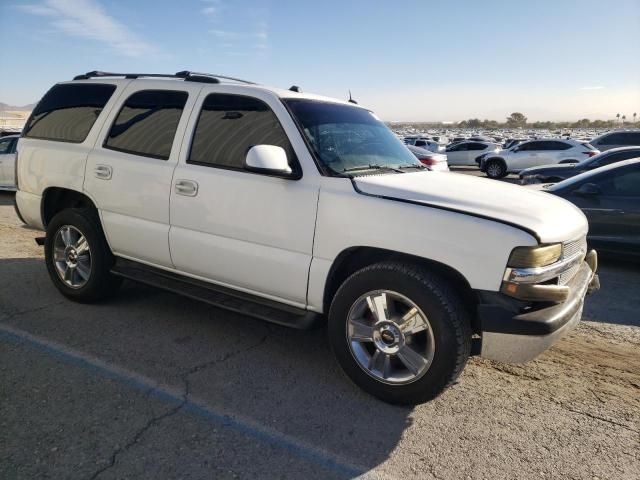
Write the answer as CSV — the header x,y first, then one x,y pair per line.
x,y
474,150
249,231
129,172
458,154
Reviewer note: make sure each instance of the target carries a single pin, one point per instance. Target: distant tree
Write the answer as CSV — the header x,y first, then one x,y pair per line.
x,y
474,123
634,117
624,117
516,119
618,117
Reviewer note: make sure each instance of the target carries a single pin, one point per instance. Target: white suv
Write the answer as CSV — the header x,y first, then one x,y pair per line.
x,y
534,153
297,209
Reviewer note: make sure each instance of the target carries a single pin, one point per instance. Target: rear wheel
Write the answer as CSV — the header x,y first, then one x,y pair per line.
x,y
399,332
77,256
496,169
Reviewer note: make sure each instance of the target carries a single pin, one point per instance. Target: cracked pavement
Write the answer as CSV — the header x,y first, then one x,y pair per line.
x,y
152,385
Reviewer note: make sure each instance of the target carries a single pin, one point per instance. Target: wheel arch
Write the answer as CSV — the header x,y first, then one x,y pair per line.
x,y
499,159
56,199
353,259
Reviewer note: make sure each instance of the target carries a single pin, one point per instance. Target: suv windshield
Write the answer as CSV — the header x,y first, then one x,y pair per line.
x,y
350,139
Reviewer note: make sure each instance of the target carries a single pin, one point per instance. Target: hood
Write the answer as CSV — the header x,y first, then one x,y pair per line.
x,y
552,219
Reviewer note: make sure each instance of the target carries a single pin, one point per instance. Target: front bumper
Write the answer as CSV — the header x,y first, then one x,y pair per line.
x,y
513,337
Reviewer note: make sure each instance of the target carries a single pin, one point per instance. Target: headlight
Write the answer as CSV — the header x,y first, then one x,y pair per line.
x,y
538,256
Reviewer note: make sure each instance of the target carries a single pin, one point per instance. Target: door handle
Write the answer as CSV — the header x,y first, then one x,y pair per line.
x,y
188,188
103,172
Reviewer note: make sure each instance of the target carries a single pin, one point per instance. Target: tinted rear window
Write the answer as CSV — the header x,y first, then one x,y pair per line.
x,y
147,123
67,112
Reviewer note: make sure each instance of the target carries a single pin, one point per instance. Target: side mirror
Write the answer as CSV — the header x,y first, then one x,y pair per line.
x,y
268,159
587,189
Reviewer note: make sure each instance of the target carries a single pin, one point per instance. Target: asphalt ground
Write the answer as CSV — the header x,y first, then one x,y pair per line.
x,y
153,385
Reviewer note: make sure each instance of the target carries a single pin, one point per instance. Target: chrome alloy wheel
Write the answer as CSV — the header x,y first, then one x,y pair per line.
x,y
494,169
72,256
390,337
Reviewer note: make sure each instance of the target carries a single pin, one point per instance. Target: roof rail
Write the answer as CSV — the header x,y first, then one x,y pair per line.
x,y
185,74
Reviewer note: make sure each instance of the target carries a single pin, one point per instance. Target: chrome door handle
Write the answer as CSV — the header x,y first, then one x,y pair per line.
x,y
103,172
188,188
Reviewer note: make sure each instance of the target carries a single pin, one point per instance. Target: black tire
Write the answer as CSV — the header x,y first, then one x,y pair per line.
x,y
495,169
101,283
446,314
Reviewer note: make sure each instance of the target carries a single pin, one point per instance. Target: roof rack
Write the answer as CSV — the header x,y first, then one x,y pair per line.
x,y
185,74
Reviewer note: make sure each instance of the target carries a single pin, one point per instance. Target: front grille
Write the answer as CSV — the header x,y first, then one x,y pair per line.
x,y
569,249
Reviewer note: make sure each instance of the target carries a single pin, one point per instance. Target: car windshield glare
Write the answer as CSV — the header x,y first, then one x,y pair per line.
x,y
346,137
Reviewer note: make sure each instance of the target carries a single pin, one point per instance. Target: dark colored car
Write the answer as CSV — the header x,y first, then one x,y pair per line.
x,y
557,173
610,198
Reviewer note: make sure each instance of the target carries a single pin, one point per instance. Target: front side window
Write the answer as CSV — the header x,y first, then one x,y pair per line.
x,y
347,138
625,183
525,147
67,112
147,123
229,125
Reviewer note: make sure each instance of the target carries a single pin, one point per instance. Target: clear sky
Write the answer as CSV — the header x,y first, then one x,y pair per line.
x,y
406,60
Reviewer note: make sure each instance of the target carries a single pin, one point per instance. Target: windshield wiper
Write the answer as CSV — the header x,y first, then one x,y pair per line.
x,y
371,167
414,165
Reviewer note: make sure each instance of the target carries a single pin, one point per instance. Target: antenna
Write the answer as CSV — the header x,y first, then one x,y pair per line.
x,y
351,100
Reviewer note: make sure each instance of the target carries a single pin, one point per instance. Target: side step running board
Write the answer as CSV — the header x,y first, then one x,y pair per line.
x,y
222,297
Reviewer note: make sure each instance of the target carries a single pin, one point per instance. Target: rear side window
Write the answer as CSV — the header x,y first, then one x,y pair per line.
x,y
67,112
556,146
477,146
229,125
147,123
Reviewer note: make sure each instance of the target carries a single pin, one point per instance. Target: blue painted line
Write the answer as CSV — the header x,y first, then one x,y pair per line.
x,y
254,431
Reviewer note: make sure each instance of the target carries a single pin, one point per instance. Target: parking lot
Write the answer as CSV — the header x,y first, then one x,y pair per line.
x,y
153,385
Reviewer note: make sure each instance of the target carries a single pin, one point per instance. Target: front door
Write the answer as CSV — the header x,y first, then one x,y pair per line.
x,y
613,212
245,230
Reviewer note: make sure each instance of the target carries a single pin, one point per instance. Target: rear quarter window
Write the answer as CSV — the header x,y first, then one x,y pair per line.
x,y
67,112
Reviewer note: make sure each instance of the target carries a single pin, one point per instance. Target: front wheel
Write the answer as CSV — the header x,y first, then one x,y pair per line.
x,y
399,332
496,169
